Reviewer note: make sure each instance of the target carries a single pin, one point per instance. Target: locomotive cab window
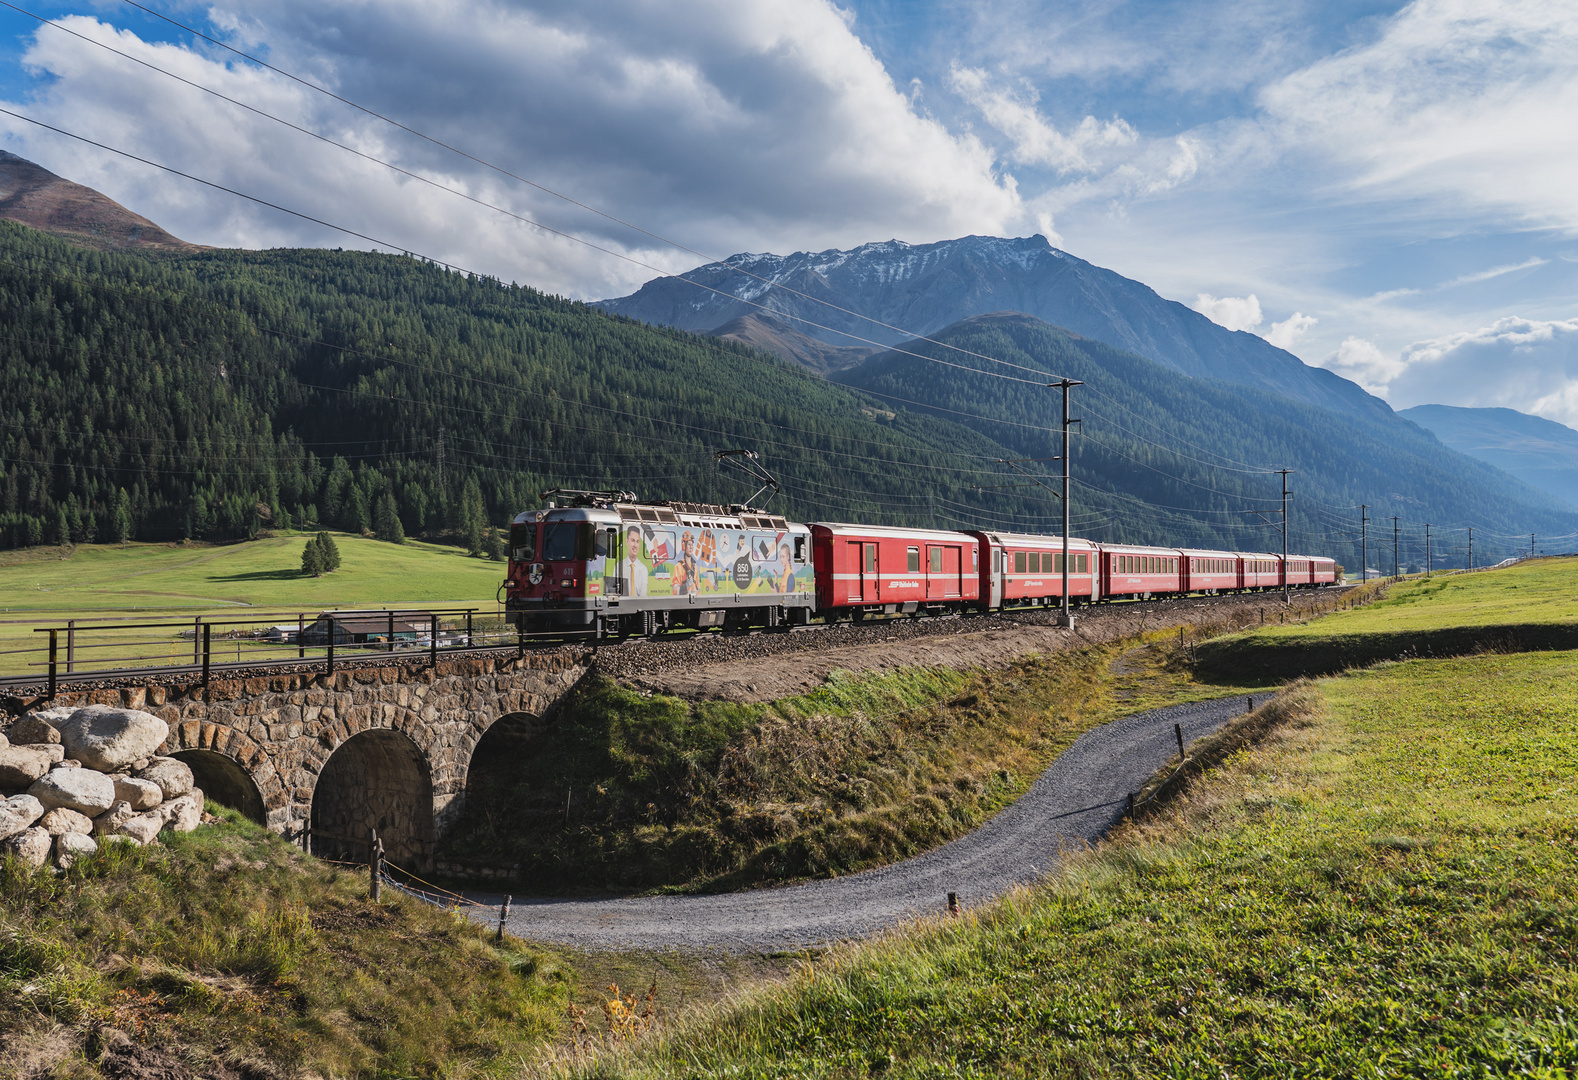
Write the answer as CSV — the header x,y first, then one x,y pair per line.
x,y
523,542
912,560
799,549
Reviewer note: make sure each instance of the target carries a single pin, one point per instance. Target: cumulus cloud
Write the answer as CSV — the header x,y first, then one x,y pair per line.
x,y
1453,100
1285,333
1364,363
729,124
1233,312
1524,364
1036,141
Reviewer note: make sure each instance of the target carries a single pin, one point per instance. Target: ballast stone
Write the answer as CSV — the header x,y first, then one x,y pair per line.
x,y
63,820
69,847
84,790
32,846
109,739
18,813
174,777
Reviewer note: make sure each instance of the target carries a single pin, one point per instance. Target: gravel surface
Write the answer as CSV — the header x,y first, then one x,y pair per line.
x,y
1073,803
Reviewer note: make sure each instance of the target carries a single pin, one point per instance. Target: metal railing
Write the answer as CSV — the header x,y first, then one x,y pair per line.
x,y
78,650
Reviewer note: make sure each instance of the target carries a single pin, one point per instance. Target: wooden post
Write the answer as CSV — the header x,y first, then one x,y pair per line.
x,y
333,629
1130,810
391,632
432,640
504,914
71,646
1178,732
1251,705
197,633
53,643
301,630
207,641
953,903
375,858
469,641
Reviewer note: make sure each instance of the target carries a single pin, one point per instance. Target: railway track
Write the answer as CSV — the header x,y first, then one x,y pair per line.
x,y
635,656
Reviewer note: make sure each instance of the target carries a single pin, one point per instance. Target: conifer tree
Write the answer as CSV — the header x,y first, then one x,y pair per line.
x,y
312,558
472,516
386,520
331,551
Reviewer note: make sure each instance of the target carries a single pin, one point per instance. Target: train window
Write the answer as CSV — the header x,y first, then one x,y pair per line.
x,y
1057,564
1033,563
871,558
912,560
975,558
799,549
1082,563
936,560
605,542
558,541
1019,562
997,560
523,542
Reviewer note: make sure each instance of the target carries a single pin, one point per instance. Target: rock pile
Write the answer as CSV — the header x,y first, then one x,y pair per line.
x,y
77,779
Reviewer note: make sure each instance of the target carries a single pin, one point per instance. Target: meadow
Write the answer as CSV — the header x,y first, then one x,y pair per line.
x,y
1380,887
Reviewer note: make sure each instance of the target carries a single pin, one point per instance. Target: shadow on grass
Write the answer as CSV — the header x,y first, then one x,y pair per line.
x,y
1276,659
262,575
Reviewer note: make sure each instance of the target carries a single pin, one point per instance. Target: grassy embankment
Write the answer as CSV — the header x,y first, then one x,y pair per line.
x,y
228,581
865,770
1382,887
1530,606
227,949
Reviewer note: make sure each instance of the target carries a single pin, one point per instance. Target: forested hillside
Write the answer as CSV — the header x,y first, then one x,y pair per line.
x,y
1164,454
215,394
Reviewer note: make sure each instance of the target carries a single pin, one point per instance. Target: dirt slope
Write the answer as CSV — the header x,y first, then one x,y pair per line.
x,y
34,196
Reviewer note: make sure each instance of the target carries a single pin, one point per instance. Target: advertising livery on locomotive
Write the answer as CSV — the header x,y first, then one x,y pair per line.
x,y
608,564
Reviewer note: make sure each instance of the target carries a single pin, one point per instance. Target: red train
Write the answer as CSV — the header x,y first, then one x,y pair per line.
x,y
609,565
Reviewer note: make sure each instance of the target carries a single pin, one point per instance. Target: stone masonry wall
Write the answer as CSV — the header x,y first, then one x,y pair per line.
x,y
283,729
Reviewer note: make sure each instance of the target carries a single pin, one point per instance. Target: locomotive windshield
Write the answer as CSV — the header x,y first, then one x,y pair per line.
x,y
564,541
523,542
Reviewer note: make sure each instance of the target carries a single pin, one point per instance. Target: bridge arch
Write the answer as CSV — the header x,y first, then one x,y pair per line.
x,y
377,779
223,779
496,746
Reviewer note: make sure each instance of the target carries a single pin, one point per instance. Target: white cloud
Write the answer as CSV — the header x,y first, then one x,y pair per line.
x,y
1457,101
729,124
1524,364
1364,363
1035,140
1493,272
1233,312
1285,333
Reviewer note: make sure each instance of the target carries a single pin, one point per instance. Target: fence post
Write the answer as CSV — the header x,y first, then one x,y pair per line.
x,y
333,629
301,629
71,646
432,639
391,632
207,633
197,632
504,913
375,871
1178,732
469,641
52,646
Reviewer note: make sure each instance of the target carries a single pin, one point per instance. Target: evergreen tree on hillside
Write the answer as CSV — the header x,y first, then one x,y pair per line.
x,y
330,550
386,520
472,516
122,520
312,558
492,544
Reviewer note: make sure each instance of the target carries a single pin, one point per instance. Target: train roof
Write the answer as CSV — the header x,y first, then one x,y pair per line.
x,y
1034,538
839,528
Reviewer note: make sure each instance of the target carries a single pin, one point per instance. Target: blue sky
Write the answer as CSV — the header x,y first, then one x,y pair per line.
x,y
1385,189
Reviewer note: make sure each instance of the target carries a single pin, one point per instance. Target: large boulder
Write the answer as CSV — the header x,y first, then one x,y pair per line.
x,y
34,728
142,794
32,846
142,827
21,765
113,818
18,813
185,813
62,820
79,789
71,846
173,777
110,739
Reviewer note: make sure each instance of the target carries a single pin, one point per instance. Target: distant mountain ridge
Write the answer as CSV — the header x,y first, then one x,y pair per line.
x,y
925,287
32,195
1540,452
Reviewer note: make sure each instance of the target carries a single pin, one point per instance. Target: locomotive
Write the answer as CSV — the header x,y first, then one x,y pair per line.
x,y
607,564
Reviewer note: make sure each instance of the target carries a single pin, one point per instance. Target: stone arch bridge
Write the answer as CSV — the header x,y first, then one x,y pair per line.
x,y
369,747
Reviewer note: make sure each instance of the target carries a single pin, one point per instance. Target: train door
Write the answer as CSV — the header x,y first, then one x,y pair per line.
x,y
953,572
870,583
935,585
853,560
995,596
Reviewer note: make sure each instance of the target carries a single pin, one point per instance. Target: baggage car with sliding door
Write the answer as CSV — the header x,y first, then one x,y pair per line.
x,y
873,570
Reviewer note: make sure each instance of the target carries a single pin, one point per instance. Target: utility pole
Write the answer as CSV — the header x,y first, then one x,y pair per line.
x,y
1394,549
1427,550
1531,545
1364,544
1471,547
1066,618
1286,598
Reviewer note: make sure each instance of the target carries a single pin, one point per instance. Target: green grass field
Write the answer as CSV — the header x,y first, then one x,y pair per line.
x,y
1383,887
227,582
1533,605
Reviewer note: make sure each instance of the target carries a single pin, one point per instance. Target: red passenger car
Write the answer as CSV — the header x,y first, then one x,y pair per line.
x,y
874,569
1210,571
1018,569
1259,570
1140,571
1323,571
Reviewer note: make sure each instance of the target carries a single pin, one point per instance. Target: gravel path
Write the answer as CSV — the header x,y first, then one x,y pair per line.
x,y
1074,802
